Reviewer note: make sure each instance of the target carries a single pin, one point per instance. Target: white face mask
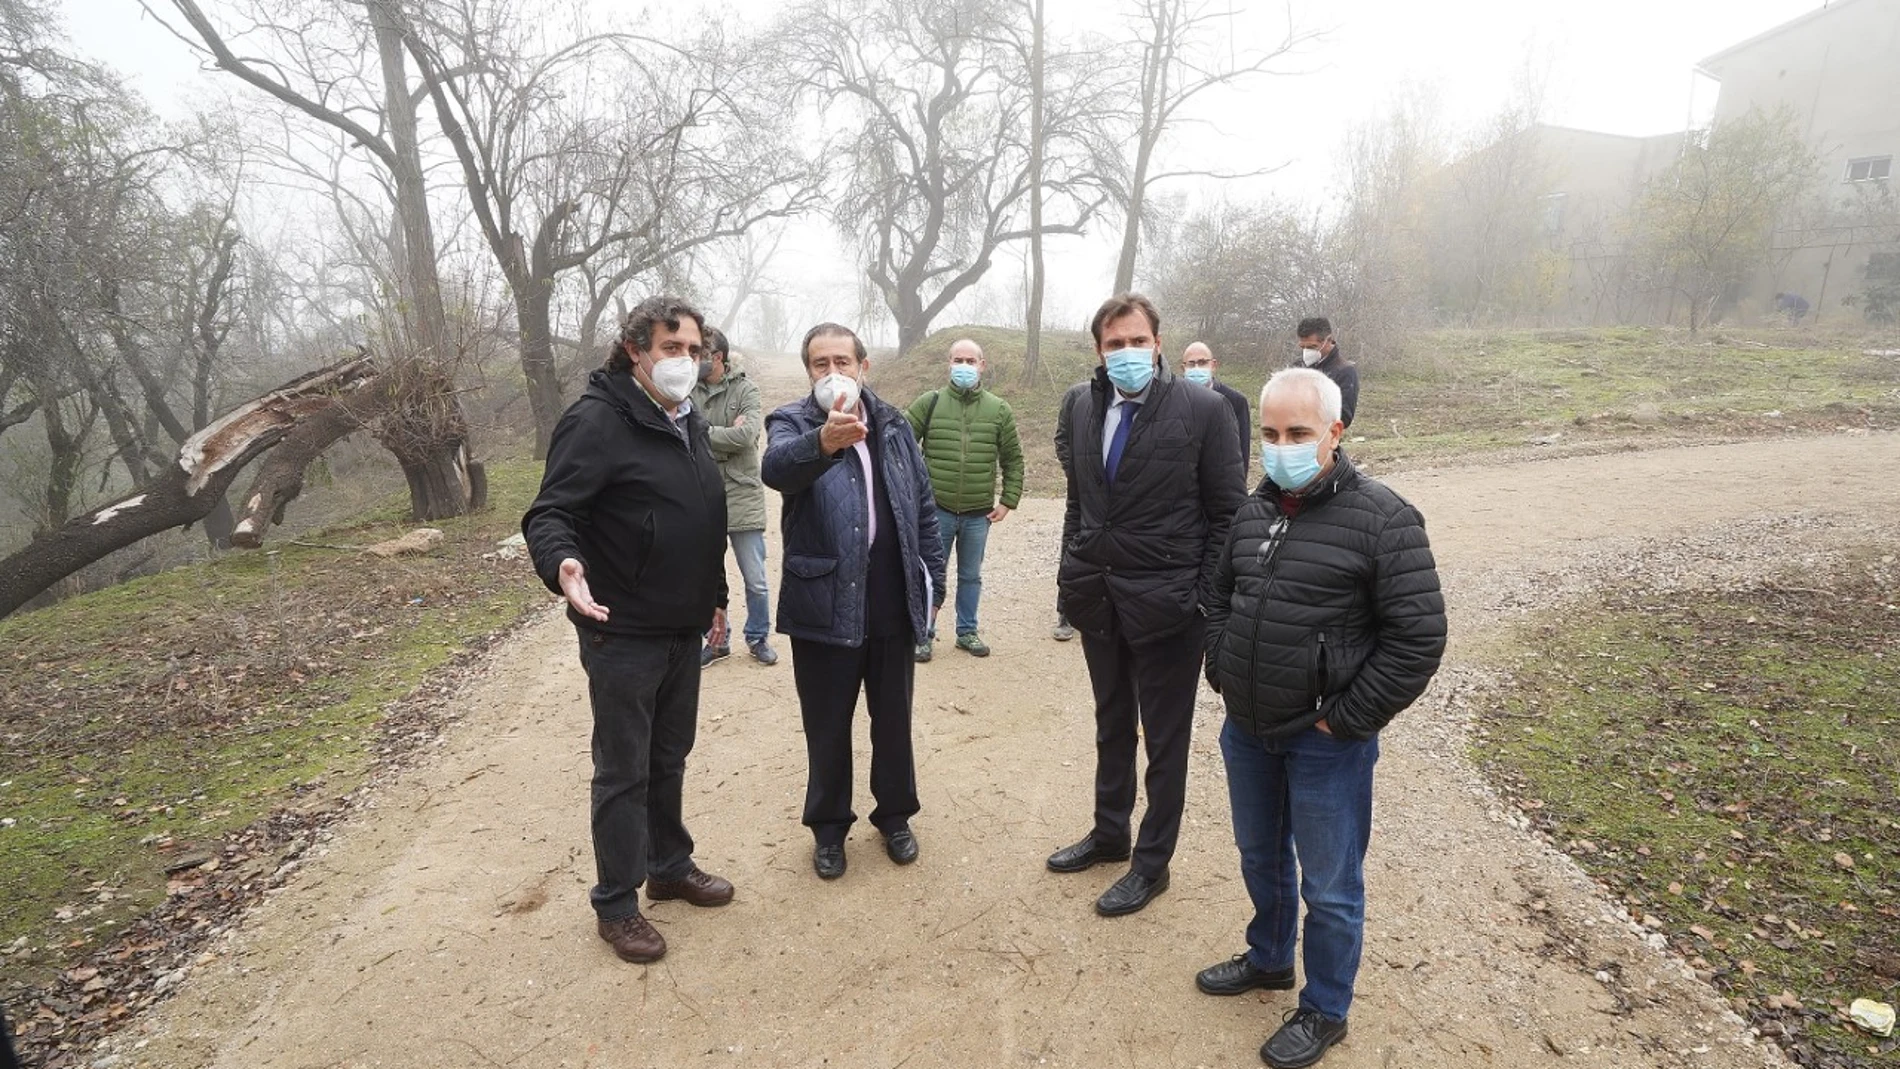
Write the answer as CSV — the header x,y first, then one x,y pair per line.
x,y
1311,357
675,376
827,390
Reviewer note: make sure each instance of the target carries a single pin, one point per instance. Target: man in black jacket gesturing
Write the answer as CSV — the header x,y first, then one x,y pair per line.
x,y
630,527
1326,622
1153,481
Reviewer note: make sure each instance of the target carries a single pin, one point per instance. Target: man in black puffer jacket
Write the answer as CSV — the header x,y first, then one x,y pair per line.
x,y
1326,622
1153,481
630,527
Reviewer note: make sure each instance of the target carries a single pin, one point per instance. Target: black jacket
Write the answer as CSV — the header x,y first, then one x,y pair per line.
x,y
1345,374
827,561
1243,423
643,510
1141,556
1334,613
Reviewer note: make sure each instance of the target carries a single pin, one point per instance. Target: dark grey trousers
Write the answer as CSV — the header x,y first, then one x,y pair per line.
x,y
645,693
1153,684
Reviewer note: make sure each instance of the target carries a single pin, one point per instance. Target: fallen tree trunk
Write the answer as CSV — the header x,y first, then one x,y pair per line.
x,y
188,490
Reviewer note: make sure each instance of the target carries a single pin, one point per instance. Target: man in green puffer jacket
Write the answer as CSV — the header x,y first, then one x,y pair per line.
x,y
730,404
968,435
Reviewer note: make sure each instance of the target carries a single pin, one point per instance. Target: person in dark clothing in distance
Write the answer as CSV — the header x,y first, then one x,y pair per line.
x,y
1326,622
1201,367
630,528
1319,351
1153,481
863,576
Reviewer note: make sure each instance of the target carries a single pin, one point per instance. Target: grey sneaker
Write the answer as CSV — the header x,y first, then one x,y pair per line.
x,y
923,652
1063,632
971,644
763,653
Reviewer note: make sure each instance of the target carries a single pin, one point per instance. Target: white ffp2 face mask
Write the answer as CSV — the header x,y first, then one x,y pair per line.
x,y
1311,357
827,390
674,377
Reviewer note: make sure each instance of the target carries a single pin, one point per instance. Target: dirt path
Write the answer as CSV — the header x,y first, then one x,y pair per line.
x,y
449,926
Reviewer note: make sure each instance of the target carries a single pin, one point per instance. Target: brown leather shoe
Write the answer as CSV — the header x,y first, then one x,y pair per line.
x,y
699,888
634,939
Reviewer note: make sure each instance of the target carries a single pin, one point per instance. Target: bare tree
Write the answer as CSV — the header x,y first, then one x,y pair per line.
x,y
678,160
314,66
1181,59
938,176
1711,216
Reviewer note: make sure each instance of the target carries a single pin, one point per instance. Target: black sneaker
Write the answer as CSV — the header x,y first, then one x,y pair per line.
x,y
713,653
1302,1040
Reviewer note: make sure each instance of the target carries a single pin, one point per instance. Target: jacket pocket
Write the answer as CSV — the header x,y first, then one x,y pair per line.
x,y
810,594
1318,675
642,551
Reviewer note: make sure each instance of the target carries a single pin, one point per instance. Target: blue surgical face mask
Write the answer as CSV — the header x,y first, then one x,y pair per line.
x,y
1131,370
1199,376
1290,467
963,376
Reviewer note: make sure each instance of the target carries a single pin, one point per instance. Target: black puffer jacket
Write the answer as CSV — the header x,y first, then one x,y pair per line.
x,y
1141,555
1334,613
640,506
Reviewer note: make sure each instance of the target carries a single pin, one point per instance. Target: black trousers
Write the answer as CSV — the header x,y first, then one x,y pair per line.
x,y
1153,684
645,693
828,679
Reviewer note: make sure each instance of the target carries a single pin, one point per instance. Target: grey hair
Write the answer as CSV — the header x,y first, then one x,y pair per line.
x,y
1323,388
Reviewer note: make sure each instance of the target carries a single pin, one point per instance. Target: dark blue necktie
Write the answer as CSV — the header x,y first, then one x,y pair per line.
x,y
1120,441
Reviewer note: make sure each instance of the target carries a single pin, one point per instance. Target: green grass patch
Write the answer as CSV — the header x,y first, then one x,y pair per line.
x,y
144,720
1453,395
1726,765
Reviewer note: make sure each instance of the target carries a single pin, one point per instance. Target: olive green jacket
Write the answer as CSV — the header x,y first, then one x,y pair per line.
x,y
736,448
966,438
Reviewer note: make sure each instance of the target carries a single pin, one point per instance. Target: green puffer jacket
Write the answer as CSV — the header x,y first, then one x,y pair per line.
x,y
969,435
736,448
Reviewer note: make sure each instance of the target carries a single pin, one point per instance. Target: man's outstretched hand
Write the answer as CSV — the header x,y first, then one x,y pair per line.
x,y
574,588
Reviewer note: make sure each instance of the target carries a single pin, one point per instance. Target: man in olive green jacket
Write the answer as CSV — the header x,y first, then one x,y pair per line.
x,y
968,435
730,404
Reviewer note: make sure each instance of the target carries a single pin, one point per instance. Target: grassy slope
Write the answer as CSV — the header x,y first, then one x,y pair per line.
x,y
1725,765
141,720
1454,393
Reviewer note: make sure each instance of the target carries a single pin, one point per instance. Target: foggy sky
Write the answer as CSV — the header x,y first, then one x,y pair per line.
x,y
1622,66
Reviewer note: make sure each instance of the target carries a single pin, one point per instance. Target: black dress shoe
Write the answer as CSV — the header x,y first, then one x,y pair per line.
x,y
901,845
1083,855
828,861
1130,894
1238,974
1302,1040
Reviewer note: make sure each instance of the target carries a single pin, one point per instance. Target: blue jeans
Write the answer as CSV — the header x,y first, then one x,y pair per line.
x,y
748,548
968,535
1308,797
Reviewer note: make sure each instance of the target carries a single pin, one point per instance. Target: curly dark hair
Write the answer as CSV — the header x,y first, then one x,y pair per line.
x,y
637,329
829,330
1120,305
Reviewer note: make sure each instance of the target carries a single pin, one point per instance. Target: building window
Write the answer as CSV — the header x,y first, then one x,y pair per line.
x,y
1870,169
1553,211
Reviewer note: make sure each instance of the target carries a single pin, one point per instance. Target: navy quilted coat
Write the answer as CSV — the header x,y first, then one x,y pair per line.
x,y
821,591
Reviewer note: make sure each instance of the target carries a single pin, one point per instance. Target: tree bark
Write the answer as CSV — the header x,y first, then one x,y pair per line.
x,y
536,322
1032,317
186,492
